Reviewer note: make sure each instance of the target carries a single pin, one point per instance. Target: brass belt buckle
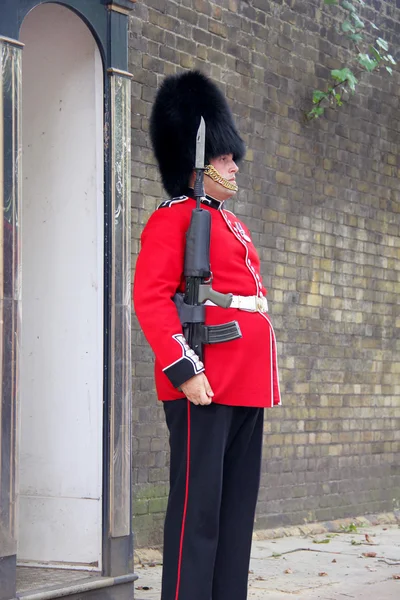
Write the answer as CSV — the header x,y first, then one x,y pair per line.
x,y
261,304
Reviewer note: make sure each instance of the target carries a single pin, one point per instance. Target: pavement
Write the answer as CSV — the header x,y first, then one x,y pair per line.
x,y
357,559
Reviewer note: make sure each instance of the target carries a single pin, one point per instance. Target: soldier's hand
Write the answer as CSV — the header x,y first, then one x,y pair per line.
x,y
198,390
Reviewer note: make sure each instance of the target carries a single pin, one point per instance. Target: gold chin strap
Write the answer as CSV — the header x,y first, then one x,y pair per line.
x,y
215,176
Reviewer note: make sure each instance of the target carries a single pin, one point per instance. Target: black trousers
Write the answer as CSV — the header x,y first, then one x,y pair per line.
x,y
214,480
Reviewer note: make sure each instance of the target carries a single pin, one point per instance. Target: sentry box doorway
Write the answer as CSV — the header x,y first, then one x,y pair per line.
x,y
65,412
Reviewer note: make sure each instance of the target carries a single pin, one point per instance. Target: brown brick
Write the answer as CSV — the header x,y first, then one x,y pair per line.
x,y
186,46
283,178
164,21
199,35
187,61
201,51
169,54
187,15
202,6
217,28
216,12
153,32
234,5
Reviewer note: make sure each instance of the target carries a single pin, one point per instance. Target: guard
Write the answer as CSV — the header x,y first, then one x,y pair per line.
x,y
201,303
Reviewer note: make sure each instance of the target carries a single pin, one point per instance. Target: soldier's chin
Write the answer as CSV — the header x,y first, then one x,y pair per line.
x,y
226,193
230,186
232,192
227,187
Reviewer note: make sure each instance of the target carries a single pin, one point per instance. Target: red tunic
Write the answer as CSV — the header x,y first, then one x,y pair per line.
x,y
242,372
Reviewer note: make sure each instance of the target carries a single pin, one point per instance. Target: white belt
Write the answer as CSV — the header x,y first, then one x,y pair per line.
x,y
250,303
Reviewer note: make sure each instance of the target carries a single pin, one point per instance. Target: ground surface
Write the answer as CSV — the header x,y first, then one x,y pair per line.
x,y
303,566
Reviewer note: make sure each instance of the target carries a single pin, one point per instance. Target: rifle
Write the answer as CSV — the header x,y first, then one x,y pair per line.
x,y
197,271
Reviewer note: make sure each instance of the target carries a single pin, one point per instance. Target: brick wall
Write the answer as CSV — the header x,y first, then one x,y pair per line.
x,y
323,203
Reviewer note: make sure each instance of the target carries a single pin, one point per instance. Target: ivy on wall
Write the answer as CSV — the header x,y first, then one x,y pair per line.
x,y
369,52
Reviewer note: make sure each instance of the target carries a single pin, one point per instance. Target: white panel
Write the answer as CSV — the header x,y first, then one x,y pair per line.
x,y
67,519
62,287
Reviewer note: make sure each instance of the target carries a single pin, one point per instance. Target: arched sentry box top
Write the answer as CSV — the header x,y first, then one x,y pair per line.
x,y
107,20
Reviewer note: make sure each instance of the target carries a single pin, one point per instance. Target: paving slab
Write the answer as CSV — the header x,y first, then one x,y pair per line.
x,y
358,563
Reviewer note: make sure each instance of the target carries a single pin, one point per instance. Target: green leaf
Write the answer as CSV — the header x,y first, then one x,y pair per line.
x,y
348,6
390,58
349,528
357,21
342,75
318,95
316,112
347,26
338,75
367,62
382,44
324,541
356,37
375,52
374,26
331,2
338,99
389,70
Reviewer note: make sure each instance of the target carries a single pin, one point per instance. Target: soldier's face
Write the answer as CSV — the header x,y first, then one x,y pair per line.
x,y
226,167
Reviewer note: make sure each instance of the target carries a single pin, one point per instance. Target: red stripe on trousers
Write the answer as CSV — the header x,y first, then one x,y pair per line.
x,y
178,581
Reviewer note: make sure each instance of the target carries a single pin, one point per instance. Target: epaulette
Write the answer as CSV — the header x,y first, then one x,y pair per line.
x,y
169,203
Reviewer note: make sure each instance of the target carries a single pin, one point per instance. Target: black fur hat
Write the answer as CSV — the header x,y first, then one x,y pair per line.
x,y
179,104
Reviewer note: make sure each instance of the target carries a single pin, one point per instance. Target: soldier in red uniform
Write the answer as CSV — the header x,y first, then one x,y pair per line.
x,y
213,407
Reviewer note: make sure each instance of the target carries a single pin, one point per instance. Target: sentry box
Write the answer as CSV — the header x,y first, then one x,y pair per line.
x,y
65,410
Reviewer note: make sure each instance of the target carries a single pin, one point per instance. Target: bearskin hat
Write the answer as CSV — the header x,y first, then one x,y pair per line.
x,y
180,102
